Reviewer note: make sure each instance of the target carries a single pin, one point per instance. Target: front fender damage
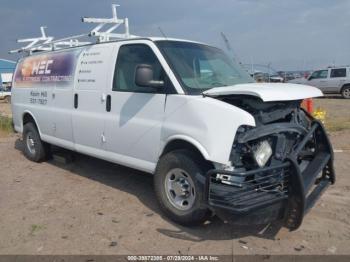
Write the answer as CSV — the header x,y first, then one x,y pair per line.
x,y
285,188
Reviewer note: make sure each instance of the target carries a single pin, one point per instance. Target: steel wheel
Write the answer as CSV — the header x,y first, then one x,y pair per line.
x,y
180,189
179,184
30,143
33,147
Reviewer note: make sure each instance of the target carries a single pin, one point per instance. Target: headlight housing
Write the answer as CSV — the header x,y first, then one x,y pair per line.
x,y
262,153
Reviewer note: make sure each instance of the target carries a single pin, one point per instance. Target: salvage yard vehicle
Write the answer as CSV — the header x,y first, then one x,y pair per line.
x,y
333,80
5,94
216,141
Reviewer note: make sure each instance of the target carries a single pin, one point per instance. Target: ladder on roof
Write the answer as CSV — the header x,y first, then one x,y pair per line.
x,y
47,43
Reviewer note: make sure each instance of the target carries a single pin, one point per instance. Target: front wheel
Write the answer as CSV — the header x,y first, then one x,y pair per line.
x,y
345,92
180,194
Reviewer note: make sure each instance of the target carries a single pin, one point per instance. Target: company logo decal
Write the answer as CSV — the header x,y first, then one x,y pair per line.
x,y
56,69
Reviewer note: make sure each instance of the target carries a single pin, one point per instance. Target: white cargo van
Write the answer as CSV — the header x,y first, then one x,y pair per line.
x,y
216,142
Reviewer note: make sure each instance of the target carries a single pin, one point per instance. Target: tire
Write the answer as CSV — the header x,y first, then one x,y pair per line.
x,y
8,99
168,174
34,148
345,92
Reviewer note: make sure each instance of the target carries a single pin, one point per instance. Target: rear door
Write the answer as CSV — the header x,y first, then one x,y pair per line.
x,y
318,79
62,99
337,80
88,99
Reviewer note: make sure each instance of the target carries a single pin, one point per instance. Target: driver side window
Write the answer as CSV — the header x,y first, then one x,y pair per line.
x,y
319,74
129,56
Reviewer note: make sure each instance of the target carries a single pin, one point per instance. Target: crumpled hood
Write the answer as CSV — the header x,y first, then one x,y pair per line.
x,y
268,91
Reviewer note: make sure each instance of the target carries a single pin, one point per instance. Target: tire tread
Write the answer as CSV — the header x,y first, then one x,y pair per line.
x,y
185,158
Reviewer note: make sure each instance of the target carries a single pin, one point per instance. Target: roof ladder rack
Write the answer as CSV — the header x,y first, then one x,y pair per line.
x,y
47,43
115,22
38,41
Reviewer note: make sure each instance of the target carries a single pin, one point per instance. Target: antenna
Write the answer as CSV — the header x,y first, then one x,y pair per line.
x,y
161,31
46,43
227,43
229,48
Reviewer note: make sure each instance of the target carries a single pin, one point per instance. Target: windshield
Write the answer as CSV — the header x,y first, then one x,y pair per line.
x,y
200,67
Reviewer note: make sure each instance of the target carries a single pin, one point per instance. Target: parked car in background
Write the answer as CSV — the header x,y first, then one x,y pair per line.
x,y
291,75
331,80
5,94
263,73
276,79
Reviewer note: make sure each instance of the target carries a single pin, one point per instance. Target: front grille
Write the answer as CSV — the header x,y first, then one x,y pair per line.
x,y
258,189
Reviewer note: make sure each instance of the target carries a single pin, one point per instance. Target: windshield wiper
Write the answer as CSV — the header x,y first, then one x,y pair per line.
x,y
218,84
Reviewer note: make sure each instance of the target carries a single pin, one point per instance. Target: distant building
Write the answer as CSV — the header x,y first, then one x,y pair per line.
x,y
6,71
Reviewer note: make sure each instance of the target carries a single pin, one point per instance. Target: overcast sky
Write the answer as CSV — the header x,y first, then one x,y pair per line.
x,y
289,34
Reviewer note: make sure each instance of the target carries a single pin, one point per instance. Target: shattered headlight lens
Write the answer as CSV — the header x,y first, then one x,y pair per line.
x,y
262,153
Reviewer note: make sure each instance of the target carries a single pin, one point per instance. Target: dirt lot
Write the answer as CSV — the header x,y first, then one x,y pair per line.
x,y
94,207
5,109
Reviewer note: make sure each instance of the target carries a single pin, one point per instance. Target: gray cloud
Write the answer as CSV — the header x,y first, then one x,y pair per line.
x,y
290,34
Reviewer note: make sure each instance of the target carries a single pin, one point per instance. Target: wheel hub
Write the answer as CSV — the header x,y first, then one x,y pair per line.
x,y
30,143
179,189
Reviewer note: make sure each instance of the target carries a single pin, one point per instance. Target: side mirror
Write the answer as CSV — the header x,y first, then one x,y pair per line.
x,y
144,77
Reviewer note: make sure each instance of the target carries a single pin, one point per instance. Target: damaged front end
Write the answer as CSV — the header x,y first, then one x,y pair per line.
x,y
281,166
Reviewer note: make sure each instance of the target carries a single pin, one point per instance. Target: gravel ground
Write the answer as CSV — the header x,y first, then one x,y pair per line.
x,y
94,207
5,109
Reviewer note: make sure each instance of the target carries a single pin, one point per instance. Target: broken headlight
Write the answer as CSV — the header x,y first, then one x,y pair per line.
x,y
262,153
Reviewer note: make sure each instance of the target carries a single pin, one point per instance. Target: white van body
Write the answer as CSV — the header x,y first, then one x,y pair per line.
x,y
140,125
70,97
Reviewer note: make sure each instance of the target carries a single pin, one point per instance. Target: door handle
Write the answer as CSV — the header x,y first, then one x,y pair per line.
x,y
108,103
103,138
103,97
75,101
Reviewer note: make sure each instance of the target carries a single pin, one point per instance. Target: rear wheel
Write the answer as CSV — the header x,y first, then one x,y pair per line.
x,y
34,148
180,194
345,92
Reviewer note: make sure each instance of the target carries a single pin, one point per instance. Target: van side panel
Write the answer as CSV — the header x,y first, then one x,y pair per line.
x,y
31,96
207,123
88,117
36,81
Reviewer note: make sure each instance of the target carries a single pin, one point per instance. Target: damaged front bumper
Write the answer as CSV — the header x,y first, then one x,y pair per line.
x,y
285,190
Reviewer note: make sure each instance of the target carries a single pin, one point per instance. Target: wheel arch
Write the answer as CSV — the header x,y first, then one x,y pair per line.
x,y
344,86
28,117
184,142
